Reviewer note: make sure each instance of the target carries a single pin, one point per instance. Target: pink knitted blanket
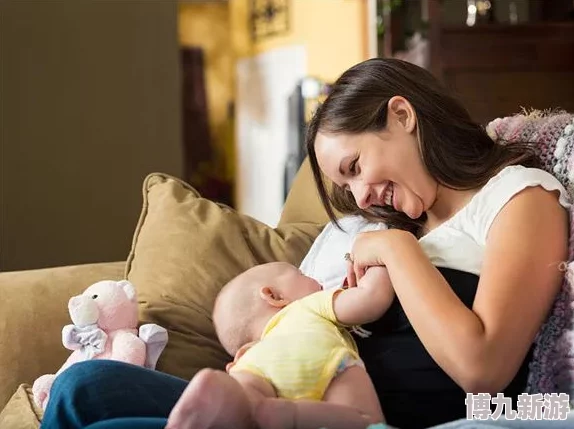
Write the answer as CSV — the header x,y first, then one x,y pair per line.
x,y
552,134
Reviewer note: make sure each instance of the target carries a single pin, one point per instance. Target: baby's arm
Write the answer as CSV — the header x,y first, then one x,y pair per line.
x,y
240,353
368,301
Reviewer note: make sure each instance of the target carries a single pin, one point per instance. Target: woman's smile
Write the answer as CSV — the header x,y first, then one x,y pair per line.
x,y
388,194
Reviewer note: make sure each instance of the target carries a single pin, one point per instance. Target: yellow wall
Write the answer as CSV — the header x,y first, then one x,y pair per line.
x,y
207,25
333,32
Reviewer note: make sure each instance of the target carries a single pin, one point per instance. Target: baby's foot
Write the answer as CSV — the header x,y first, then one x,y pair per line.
x,y
212,400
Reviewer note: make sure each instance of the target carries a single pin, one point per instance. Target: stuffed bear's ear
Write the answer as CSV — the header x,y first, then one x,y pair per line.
x,y
128,288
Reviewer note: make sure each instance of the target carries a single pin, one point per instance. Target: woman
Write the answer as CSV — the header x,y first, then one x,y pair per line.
x,y
391,145
396,148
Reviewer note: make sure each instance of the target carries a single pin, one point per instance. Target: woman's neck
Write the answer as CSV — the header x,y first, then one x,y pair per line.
x,y
448,203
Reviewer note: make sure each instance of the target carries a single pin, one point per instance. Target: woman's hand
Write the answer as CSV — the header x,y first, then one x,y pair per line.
x,y
370,248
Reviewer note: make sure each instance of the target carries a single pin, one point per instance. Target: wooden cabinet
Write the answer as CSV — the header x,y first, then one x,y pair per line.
x,y
496,69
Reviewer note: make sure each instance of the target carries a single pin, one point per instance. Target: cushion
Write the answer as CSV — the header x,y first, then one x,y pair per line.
x,y
21,412
552,136
185,248
325,260
303,203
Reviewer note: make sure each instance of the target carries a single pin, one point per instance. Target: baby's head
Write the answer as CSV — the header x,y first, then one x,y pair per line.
x,y
246,303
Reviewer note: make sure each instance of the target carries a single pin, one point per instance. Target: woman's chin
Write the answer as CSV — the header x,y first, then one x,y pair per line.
x,y
413,212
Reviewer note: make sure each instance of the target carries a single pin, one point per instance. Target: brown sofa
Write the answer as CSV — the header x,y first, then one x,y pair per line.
x,y
184,249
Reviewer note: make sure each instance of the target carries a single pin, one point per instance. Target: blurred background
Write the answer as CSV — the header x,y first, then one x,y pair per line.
x,y
96,94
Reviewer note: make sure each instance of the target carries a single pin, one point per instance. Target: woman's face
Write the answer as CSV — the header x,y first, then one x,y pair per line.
x,y
383,168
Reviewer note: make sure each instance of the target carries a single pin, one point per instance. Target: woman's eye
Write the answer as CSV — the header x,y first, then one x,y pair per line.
x,y
353,167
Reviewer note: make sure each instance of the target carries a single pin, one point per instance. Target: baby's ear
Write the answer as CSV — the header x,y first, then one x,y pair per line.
x,y
271,296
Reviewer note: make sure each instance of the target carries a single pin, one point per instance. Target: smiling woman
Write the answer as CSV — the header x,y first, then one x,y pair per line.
x,y
395,123
390,144
375,166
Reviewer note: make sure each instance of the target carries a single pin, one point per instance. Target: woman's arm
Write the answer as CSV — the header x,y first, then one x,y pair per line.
x,y
483,349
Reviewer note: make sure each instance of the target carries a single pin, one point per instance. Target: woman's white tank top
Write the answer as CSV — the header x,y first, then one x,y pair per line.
x,y
459,242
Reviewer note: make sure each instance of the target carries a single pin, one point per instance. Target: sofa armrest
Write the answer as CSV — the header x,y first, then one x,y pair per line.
x,y
33,311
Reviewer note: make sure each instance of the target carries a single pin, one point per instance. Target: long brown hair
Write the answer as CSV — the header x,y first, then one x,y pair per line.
x,y
456,152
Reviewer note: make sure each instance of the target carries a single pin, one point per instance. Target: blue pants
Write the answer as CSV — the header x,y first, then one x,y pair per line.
x,y
103,394
110,394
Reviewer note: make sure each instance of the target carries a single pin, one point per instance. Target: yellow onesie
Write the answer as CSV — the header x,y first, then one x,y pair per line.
x,y
302,348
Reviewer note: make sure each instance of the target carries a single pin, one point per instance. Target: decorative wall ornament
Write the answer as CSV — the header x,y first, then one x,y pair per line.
x,y
269,18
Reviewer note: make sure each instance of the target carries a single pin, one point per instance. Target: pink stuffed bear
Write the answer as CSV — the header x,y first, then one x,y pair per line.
x,y
105,321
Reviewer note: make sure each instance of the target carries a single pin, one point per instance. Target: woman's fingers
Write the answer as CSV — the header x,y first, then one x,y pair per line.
x,y
359,271
351,278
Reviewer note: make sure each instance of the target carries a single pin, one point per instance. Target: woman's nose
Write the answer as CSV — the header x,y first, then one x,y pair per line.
x,y
362,196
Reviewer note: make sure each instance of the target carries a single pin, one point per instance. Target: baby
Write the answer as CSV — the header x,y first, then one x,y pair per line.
x,y
296,365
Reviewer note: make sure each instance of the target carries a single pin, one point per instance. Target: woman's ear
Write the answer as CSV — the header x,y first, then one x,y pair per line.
x,y
273,297
403,113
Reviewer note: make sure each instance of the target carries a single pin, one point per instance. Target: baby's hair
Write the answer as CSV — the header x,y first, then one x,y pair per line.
x,y
239,302
234,307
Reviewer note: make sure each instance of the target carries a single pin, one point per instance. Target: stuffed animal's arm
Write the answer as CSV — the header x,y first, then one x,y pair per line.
x,y
366,302
155,338
69,338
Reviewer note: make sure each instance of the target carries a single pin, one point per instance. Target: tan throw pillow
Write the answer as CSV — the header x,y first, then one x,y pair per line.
x,y
185,248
